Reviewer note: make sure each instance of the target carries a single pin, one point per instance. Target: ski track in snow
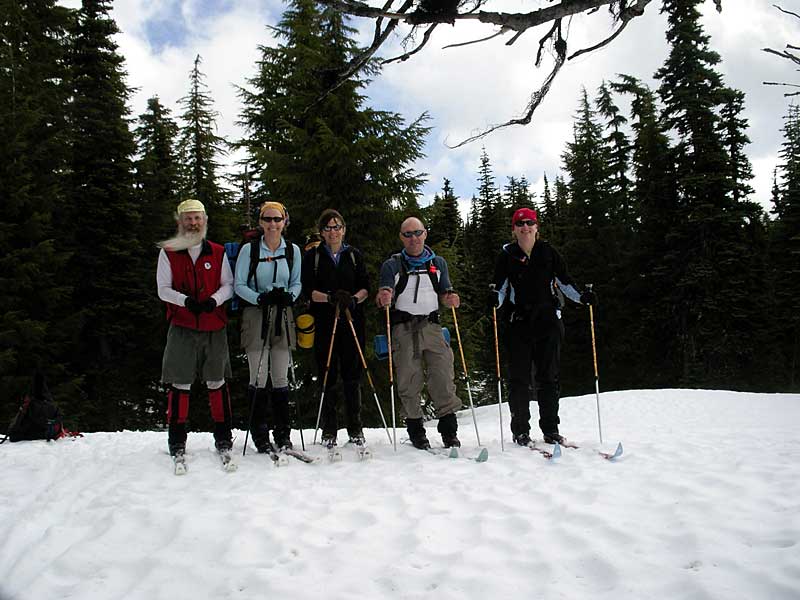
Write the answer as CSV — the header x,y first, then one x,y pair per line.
x,y
704,504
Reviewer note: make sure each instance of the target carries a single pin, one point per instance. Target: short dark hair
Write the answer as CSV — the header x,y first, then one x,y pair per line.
x,y
327,215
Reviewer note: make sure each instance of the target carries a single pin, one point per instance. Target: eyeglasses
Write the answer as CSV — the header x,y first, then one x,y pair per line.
x,y
528,222
333,228
410,234
273,219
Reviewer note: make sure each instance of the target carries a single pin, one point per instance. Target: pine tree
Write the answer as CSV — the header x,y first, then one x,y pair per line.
x,y
199,149
316,151
444,222
156,172
619,156
710,302
785,245
112,273
33,159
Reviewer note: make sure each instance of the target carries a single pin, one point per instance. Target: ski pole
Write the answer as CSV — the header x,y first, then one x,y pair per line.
x,y
499,386
294,378
391,377
364,364
258,374
596,376
327,368
464,364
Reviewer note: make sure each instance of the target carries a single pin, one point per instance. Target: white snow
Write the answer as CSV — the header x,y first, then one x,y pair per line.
x,y
704,504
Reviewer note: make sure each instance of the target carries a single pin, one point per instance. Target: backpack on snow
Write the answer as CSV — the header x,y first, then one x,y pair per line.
x,y
252,237
38,418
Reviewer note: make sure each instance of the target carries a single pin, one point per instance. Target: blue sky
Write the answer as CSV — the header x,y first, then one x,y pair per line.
x,y
465,89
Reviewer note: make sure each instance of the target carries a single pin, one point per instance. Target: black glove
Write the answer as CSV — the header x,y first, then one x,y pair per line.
x,y
344,299
588,297
208,305
269,298
493,299
193,305
284,299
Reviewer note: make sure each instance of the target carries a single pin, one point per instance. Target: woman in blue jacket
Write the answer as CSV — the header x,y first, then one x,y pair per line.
x,y
269,283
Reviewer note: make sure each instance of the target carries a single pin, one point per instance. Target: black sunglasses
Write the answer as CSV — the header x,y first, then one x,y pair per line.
x,y
333,227
410,234
273,219
528,222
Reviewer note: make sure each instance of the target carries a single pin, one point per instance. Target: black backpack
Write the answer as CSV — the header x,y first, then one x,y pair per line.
x,y
38,418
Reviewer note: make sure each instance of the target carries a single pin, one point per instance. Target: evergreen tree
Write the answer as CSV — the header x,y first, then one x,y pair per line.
x,y
315,151
112,273
33,159
198,150
711,298
619,155
444,222
156,172
785,244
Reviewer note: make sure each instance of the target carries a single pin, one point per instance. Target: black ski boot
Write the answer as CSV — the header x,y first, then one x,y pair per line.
x,y
553,438
522,439
416,433
448,427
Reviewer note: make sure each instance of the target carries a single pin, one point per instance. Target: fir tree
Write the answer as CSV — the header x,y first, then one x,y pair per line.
x,y
316,151
198,150
33,159
111,272
156,172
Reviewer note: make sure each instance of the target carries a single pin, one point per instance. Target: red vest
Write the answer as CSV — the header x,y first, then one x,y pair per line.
x,y
198,280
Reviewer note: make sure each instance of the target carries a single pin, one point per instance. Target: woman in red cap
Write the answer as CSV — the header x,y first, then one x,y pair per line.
x,y
526,275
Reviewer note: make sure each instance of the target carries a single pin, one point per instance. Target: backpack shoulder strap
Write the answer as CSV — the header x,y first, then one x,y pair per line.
x,y
255,251
434,277
403,280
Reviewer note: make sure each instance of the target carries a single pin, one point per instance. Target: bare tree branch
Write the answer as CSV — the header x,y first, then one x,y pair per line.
x,y
425,37
478,41
787,55
788,12
534,102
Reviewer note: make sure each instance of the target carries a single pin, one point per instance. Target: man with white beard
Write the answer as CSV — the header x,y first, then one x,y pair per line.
x,y
194,280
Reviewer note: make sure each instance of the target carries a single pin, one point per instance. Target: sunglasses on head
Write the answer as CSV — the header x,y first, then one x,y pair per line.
x,y
336,227
528,222
273,219
414,233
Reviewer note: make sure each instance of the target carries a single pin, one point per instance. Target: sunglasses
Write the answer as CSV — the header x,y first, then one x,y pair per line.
x,y
333,228
273,219
410,234
528,222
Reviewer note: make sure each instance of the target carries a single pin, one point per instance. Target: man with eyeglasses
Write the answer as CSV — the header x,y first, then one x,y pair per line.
x,y
528,275
194,280
413,283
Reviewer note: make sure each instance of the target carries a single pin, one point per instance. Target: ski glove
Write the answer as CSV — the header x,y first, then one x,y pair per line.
x,y
344,299
193,305
284,299
269,298
208,305
493,299
589,298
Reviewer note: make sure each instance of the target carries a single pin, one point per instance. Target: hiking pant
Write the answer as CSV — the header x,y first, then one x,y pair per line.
x,y
190,354
345,361
534,344
420,353
276,352
219,401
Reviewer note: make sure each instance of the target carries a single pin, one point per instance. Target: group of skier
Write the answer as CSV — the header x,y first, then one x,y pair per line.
x,y
195,280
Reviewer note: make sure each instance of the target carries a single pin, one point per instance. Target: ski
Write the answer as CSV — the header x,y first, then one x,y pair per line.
x,y
334,454
482,456
556,453
612,455
362,452
301,456
226,459
277,459
179,463
446,452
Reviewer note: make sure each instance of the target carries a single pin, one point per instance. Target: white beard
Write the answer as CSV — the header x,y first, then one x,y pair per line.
x,y
184,240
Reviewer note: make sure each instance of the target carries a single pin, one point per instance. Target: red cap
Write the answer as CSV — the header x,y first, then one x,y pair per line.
x,y
522,214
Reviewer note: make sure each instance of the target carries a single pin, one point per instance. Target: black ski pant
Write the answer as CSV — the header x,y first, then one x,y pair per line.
x,y
534,346
345,363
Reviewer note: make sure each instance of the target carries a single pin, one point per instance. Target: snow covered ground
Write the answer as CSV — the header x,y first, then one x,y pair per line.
x,y
704,504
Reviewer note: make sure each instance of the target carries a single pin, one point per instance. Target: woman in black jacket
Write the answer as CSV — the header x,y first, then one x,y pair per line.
x,y
334,274
527,274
